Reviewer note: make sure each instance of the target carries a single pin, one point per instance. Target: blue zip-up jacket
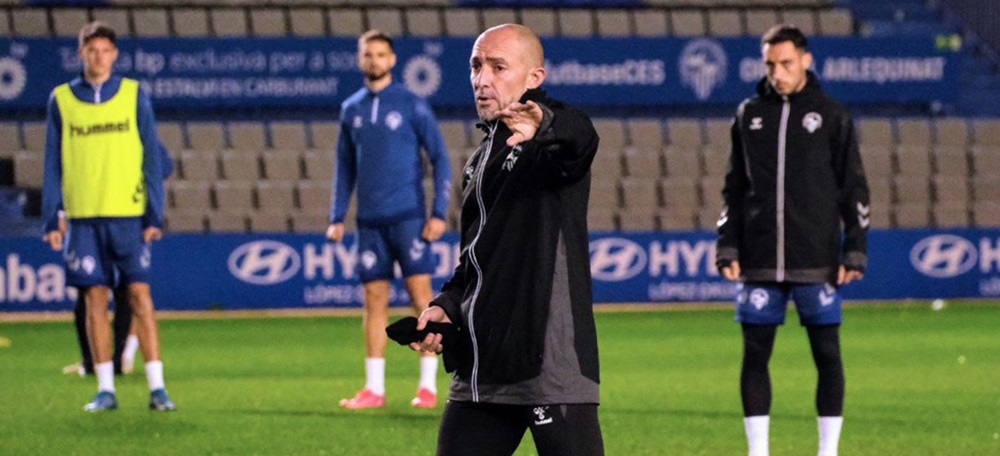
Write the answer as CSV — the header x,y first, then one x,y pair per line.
x,y
152,168
379,152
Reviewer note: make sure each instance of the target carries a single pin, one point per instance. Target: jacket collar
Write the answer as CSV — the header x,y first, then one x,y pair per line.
x,y
765,90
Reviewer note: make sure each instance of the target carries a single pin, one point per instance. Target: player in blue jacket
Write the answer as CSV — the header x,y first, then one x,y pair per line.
x,y
383,127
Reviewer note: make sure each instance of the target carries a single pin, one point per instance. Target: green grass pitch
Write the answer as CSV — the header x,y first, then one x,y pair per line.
x,y
919,382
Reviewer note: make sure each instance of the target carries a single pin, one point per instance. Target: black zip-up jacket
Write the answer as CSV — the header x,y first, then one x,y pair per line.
x,y
524,217
795,175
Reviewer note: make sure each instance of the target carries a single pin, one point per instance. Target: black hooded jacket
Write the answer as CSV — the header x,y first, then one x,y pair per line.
x,y
524,210
795,178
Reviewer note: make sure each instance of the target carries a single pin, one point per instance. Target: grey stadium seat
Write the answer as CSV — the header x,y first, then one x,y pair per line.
x,y
30,22
388,20
613,23
601,220
760,20
716,159
29,168
463,22
68,21
575,22
711,193
680,192
247,136
951,190
233,195
115,18
880,192
951,132
346,22
269,222
493,17
687,23
423,22
725,22
541,21
875,131
802,18
912,215
913,132
34,136
191,22
651,22
185,221
198,165
604,194
836,22
171,135
877,160
645,134
150,22
640,193
4,22
205,135
638,219
275,195
268,22
240,165
950,216
951,161
313,195
912,189
10,137
229,22
190,196
281,165
644,163
682,162
307,22
986,132
913,160
685,133
986,214
227,222
324,135
319,164
985,159
677,219
310,222
611,132
289,136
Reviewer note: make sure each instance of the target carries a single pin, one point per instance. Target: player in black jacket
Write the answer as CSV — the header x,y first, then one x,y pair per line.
x,y
795,178
526,355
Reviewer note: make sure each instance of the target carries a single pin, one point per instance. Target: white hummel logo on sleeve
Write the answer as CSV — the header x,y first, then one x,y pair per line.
x,y
864,215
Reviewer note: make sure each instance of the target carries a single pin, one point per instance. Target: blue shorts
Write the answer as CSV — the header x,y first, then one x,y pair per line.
x,y
765,303
106,253
379,248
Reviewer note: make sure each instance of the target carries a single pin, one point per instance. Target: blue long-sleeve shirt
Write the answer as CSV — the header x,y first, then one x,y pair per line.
x,y
152,167
378,152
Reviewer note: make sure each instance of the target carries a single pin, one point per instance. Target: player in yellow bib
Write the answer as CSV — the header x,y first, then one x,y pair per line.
x,y
103,168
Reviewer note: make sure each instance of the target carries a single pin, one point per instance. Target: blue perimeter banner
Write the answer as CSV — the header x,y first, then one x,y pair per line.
x,y
201,73
204,272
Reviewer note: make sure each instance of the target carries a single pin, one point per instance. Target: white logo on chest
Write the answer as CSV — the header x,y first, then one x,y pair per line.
x,y
393,120
812,122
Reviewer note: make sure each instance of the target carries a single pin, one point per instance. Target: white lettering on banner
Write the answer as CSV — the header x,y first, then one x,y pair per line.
x,y
448,253
616,259
150,63
311,261
342,61
21,283
989,287
208,61
334,294
752,69
692,291
290,62
668,259
631,72
13,78
943,256
264,262
882,70
989,255
248,87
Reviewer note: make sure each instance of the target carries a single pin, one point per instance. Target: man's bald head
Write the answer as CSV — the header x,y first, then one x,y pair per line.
x,y
526,40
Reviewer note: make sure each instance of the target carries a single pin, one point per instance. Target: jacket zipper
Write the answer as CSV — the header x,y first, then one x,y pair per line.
x,y
375,110
474,381
780,203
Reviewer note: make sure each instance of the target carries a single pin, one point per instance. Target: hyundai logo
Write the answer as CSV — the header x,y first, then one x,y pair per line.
x,y
943,256
264,262
616,259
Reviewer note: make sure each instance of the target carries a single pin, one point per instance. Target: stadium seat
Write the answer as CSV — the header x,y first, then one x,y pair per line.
x,y
190,196
951,132
802,18
951,161
911,215
240,165
985,159
190,22
275,195
986,214
423,22
986,132
711,193
117,19
10,137
638,219
880,193
266,22
346,22
307,22
309,222
643,163
29,168
455,136
677,219
281,164
228,22
881,216
205,135
247,136
950,216
233,195
198,165
682,161
680,192
607,164
5,30
760,20
684,133
602,219
708,218
227,222
313,194
913,132
611,132
493,17
604,194
986,188
835,22
877,160
171,135
575,22
388,20
324,135
613,23
268,222
687,23
650,22
319,164
715,158
913,160
912,189
31,22
541,21
34,136
150,22
185,221
875,131
461,22
951,189
66,22
640,193
645,135
725,22
289,136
